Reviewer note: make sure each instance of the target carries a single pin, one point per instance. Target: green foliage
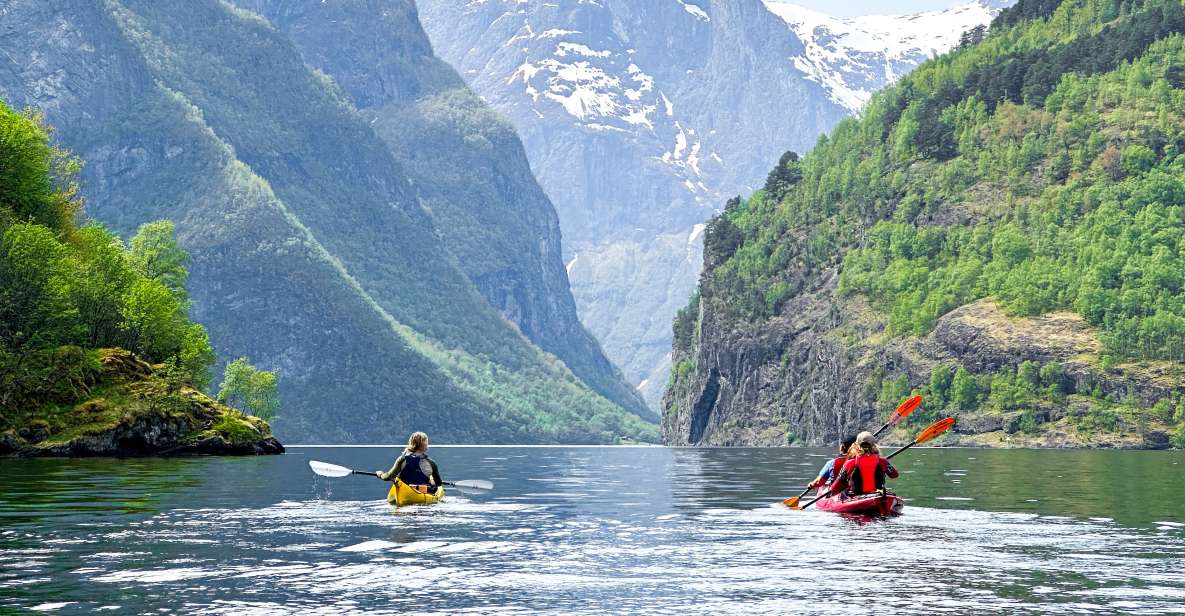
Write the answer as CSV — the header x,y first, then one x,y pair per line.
x,y
1088,205
964,391
36,179
783,178
63,287
155,254
892,392
941,380
36,310
686,324
1177,438
244,386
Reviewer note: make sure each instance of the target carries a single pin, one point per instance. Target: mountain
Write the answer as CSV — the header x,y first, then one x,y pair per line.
x,y
854,57
641,118
1001,232
391,286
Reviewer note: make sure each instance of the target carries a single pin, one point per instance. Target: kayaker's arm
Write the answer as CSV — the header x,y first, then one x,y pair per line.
x,y
394,472
435,473
824,475
889,470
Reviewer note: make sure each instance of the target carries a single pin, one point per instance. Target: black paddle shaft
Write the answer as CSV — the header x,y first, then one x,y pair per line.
x,y
371,473
817,498
890,457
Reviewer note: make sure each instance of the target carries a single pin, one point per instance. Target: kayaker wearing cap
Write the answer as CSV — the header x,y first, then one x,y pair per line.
x,y
414,467
833,466
865,470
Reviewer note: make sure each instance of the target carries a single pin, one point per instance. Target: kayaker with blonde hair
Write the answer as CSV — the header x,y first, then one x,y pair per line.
x,y
866,469
414,468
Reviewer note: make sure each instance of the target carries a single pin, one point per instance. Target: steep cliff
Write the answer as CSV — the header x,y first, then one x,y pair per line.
x,y
639,119
311,252
1000,232
466,164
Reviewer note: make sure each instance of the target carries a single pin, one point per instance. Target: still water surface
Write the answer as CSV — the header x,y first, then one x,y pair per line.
x,y
572,530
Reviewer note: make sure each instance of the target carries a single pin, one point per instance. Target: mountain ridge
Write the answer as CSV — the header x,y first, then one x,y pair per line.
x,y
311,252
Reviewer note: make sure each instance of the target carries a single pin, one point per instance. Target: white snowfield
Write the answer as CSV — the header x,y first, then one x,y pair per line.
x,y
854,57
603,88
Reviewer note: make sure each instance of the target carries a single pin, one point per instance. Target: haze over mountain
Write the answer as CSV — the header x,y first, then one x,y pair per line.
x,y
357,219
641,119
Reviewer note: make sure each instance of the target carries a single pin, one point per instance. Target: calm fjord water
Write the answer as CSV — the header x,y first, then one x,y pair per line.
x,y
573,530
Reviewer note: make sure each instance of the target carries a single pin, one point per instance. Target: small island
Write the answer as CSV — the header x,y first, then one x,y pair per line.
x,y
98,356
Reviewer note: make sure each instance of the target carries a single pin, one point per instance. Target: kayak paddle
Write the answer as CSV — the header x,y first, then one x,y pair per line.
x,y
910,405
925,435
929,433
326,469
792,502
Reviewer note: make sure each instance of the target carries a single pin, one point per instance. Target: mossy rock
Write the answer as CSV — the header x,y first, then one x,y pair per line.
x,y
131,410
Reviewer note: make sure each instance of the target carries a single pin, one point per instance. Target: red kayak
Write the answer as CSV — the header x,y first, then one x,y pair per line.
x,y
867,504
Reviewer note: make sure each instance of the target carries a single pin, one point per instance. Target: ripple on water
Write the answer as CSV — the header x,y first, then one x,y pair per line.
x,y
679,539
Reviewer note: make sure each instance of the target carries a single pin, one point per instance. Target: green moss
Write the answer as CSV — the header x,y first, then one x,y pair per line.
x,y
235,429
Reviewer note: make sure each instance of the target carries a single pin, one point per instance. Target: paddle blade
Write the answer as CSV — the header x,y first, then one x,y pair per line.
x,y
475,484
934,430
910,405
792,502
326,469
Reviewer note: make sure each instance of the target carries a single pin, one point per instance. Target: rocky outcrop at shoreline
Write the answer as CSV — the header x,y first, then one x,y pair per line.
x,y
132,409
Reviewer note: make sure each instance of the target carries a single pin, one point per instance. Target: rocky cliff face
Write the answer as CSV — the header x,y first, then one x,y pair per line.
x,y
640,119
813,374
311,250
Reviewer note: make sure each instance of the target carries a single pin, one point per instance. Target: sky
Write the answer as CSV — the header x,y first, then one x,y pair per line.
x,y
852,8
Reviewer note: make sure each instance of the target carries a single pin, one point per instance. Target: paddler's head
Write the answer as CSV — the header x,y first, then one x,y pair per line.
x,y
417,442
846,444
865,443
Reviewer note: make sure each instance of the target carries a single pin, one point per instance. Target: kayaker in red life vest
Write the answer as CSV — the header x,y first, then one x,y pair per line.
x,y
414,466
866,469
831,469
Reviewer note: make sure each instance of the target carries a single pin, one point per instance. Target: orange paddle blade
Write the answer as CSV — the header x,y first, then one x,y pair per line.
x,y
791,502
934,430
907,407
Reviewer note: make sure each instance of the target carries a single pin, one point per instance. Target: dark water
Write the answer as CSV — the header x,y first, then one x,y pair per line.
x,y
593,531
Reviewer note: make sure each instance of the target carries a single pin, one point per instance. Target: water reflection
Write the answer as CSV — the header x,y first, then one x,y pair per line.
x,y
592,530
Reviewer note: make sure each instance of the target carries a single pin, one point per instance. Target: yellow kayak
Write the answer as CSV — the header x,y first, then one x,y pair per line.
x,y
402,494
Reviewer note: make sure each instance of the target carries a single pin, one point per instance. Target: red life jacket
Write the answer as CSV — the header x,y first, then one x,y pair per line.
x,y
837,467
865,474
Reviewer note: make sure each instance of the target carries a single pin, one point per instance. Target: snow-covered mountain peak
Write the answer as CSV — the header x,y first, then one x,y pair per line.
x,y
853,57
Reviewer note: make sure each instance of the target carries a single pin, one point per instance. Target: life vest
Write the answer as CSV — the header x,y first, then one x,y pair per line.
x,y
836,468
417,470
865,474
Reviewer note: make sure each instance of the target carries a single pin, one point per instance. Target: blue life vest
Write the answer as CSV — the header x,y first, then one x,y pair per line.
x,y
413,472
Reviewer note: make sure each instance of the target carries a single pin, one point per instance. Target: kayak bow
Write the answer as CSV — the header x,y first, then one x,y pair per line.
x,y
866,504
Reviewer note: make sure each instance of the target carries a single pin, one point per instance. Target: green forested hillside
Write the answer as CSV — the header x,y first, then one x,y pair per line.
x,y
311,252
1040,167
